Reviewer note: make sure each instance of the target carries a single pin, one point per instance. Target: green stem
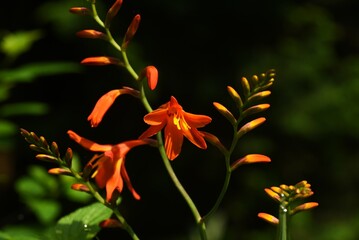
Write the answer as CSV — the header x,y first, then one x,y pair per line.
x,y
283,232
221,195
200,223
125,225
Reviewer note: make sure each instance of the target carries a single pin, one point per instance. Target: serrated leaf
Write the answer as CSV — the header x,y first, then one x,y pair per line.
x,y
81,224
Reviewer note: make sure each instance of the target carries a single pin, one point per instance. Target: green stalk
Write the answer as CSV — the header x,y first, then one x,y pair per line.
x,y
283,231
200,223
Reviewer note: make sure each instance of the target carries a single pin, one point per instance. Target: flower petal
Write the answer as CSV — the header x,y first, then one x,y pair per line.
x,y
127,180
173,141
156,117
195,120
88,144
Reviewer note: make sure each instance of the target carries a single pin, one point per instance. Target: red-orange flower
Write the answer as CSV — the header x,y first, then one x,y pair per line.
x,y
177,123
110,166
105,102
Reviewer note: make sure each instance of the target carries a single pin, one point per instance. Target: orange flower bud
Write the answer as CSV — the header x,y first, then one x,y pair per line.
x,y
151,73
101,60
110,223
112,12
256,109
46,158
80,11
225,112
60,171
90,33
250,126
273,194
259,96
68,157
269,218
55,149
131,30
250,158
304,207
235,96
246,86
214,141
80,187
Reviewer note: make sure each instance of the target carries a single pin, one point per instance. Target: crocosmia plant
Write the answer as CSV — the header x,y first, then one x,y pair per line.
x,y
167,127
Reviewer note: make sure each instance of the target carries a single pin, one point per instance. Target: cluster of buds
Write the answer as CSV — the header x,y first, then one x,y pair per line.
x,y
287,197
247,104
149,72
49,152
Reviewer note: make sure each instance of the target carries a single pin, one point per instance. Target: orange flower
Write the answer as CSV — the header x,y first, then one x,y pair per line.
x,y
105,102
177,123
110,166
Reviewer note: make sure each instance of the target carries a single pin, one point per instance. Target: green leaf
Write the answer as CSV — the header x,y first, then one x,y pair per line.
x,y
24,108
29,72
20,232
46,210
80,224
17,43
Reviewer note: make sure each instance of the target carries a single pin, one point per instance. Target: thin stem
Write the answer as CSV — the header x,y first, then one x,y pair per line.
x,y
125,225
221,195
283,233
200,223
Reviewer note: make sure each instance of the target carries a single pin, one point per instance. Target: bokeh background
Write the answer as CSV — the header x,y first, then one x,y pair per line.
x,y
311,132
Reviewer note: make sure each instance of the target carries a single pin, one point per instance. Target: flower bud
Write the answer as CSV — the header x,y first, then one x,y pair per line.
x,y
214,141
80,11
112,12
269,218
225,112
68,157
46,158
250,126
273,194
259,95
304,207
255,109
246,86
90,33
110,223
60,171
131,30
43,142
151,73
101,60
55,149
250,158
235,96
80,187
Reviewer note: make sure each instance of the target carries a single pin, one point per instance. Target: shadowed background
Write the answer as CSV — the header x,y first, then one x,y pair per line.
x,y
311,132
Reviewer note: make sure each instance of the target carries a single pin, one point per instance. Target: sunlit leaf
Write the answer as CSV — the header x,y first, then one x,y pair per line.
x,y
80,224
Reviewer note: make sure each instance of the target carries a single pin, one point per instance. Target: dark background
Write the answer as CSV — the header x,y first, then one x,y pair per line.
x,y
199,48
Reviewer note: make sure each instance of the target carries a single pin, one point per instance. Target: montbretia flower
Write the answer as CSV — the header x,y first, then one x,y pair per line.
x,y
176,123
110,171
105,102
